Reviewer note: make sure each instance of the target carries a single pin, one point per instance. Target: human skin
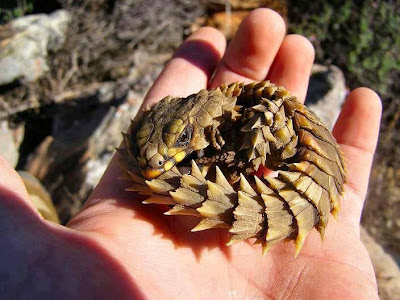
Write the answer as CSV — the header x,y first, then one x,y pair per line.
x,y
115,246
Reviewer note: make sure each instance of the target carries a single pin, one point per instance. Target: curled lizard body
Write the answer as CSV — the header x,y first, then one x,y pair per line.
x,y
199,155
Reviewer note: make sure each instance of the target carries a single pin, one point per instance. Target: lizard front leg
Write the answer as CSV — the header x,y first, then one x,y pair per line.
x,y
215,137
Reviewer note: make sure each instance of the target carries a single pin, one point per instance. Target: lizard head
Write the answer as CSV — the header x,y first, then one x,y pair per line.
x,y
163,143
172,130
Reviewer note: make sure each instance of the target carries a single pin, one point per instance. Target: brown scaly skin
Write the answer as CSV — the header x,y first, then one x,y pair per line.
x,y
238,127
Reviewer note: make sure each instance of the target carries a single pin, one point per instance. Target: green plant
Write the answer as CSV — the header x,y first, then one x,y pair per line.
x,y
21,8
361,37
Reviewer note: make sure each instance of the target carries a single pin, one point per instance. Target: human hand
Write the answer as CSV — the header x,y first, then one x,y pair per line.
x,y
117,246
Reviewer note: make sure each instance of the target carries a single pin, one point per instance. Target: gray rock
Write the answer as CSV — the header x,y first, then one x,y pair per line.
x,y
25,42
86,130
326,93
386,270
10,140
108,136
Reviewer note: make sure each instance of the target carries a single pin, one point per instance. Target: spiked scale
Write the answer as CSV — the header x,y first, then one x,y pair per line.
x,y
259,124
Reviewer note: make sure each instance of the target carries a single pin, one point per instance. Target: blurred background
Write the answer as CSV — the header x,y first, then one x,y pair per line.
x,y
73,74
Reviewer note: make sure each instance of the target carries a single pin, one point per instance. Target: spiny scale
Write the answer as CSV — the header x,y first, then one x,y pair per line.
x,y
277,132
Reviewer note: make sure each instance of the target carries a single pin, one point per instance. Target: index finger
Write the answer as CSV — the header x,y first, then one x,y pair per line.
x,y
191,66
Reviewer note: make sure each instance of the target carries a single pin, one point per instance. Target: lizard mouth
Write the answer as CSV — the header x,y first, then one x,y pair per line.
x,y
151,173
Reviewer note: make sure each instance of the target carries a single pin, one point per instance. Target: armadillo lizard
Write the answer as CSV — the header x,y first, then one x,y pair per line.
x,y
199,155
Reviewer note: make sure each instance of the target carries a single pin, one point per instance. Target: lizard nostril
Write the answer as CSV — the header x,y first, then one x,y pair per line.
x,y
156,161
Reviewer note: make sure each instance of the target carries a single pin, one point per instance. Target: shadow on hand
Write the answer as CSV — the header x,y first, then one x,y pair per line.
x,y
34,244
174,228
177,229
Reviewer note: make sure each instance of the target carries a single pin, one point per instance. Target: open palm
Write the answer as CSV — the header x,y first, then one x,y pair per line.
x,y
117,246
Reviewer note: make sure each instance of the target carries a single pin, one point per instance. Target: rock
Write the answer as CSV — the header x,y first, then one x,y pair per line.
x,y
386,270
326,93
86,130
10,141
108,136
25,42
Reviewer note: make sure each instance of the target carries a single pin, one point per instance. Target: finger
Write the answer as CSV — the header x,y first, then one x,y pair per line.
x,y
356,131
252,51
292,65
191,66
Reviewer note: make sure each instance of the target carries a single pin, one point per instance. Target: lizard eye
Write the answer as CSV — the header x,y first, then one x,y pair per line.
x,y
185,137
